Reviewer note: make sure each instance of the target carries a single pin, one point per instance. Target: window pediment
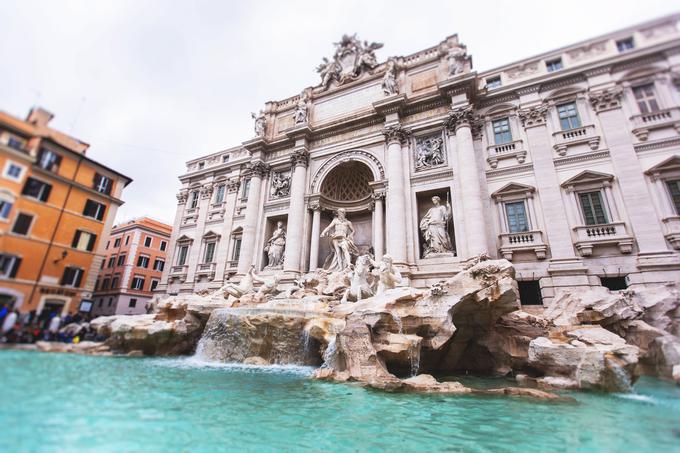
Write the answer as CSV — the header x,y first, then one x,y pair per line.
x,y
668,167
513,189
185,240
210,235
588,178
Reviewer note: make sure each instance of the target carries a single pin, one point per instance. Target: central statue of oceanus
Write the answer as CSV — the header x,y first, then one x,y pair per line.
x,y
341,233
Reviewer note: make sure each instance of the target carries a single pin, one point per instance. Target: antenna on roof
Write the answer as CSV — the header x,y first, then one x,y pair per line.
x,y
75,120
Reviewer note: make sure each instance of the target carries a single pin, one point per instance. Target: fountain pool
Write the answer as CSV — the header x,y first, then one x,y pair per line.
x,y
72,403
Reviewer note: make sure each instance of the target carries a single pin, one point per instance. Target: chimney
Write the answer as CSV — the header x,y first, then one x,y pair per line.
x,y
38,116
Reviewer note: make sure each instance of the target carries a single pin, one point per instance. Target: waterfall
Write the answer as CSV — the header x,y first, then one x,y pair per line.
x,y
307,343
414,358
397,321
329,354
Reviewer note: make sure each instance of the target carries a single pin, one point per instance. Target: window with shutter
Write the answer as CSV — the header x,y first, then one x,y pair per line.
x,y
9,265
646,98
593,208
22,224
209,252
517,218
568,114
182,255
37,189
501,131
94,210
674,190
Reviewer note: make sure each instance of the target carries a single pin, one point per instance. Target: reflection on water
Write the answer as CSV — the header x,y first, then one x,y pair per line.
x,y
71,403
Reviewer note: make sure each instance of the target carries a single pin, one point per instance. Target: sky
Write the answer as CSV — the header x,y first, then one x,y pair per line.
x,y
152,84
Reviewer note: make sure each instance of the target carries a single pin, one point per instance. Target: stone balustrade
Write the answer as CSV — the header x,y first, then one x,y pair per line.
x,y
206,270
523,241
577,136
672,231
590,236
179,272
645,122
510,150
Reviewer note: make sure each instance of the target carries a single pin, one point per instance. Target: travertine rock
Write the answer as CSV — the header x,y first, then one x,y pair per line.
x,y
592,306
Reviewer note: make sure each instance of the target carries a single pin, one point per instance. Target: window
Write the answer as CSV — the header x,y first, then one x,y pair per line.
x,y
132,303
102,265
237,249
101,303
219,194
107,245
13,171
194,199
138,283
225,158
517,217
530,292
154,285
646,98
164,245
15,143
568,114
110,301
201,165
614,283
114,282
147,241
102,183
501,131
182,255
112,261
9,265
554,65
674,191
593,208
5,209
121,259
493,82
49,160
143,261
209,252
22,224
158,264
94,210
72,276
127,239
625,44
105,283
84,240
37,189
116,243
245,189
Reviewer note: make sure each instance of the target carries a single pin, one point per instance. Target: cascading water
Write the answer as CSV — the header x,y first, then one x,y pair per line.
x,y
414,358
329,354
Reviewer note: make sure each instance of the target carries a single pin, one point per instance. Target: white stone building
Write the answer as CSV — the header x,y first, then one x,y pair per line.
x,y
566,163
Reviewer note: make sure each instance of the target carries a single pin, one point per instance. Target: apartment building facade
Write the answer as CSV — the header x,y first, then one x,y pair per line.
x,y
133,264
566,163
56,211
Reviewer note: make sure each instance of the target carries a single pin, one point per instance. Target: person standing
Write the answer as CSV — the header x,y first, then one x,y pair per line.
x,y
53,328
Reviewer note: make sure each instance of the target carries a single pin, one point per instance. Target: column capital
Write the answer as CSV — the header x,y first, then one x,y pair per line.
x,y
299,156
607,99
378,195
232,185
396,134
459,117
206,190
533,116
257,168
182,196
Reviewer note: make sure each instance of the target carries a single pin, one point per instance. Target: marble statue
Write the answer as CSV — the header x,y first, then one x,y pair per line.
x,y
341,233
351,59
457,60
246,285
275,248
433,226
329,71
389,82
429,152
269,287
280,185
301,109
360,287
259,123
388,275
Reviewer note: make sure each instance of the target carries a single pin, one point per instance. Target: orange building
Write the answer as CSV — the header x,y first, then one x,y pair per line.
x,y
132,268
56,210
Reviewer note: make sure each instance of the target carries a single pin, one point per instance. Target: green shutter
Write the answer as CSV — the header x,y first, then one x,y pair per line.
x,y
674,189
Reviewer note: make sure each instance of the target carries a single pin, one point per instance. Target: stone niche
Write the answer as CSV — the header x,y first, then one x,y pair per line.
x,y
424,203
363,232
269,227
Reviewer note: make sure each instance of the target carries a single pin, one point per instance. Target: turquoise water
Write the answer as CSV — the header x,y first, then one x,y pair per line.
x,y
76,403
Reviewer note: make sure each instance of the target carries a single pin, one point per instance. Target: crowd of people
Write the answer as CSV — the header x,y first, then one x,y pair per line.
x,y
30,327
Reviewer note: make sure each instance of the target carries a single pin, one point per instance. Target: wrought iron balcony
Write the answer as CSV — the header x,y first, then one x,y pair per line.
x,y
645,122
577,136
590,236
531,241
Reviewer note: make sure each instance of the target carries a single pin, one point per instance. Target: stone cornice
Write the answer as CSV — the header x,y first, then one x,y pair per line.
x,y
391,104
657,144
581,158
524,168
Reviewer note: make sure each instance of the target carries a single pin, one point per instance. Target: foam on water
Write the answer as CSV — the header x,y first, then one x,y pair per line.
x,y
198,362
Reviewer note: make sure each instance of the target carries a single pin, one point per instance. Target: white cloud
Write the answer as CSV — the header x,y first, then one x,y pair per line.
x,y
164,82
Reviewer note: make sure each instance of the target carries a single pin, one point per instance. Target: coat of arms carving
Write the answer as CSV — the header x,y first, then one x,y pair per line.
x,y
351,59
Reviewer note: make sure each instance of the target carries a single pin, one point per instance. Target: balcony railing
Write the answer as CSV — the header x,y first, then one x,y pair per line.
x,y
524,241
206,269
645,122
179,272
672,231
577,136
590,236
509,150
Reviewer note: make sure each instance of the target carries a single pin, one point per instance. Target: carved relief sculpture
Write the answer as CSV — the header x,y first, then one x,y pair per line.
x,y
300,116
389,82
434,227
280,185
259,126
275,248
429,152
341,233
457,60
351,59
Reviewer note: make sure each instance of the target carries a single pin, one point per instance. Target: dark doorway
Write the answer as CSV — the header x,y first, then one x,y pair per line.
x,y
530,292
614,283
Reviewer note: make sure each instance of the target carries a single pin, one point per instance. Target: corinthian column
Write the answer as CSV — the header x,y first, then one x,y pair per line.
x,y
459,123
396,198
296,211
257,171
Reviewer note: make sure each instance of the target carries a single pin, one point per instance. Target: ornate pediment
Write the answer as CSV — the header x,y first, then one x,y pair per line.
x,y
210,235
588,177
351,59
184,240
513,189
672,164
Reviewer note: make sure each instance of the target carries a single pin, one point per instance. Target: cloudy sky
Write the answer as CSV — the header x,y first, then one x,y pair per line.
x,y
152,84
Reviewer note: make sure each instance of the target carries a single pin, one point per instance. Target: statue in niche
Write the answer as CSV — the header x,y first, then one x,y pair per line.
x,y
275,248
434,227
341,233
389,82
259,123
301,110
360,287
280,185
457,60
388,275
429,152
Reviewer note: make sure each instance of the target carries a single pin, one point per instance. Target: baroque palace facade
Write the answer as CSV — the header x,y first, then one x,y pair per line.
x,y
566,163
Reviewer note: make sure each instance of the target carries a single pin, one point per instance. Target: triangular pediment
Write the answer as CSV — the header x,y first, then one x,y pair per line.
x,y
211,235
670,164
184,239
586,177
513,188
